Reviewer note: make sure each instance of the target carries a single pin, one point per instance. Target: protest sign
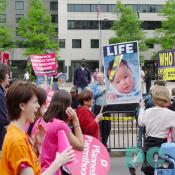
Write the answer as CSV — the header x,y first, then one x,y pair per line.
x,y
122,73
44,64
166,65
4,57
93,160
62,79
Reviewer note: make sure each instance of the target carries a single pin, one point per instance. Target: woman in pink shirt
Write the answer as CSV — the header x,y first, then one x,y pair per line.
x,y
56,118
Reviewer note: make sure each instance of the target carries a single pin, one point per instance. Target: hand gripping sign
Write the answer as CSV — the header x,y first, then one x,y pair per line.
x,y
93,160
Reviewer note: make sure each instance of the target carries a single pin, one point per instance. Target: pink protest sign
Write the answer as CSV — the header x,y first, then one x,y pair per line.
x,y
44,64
4,57
93,160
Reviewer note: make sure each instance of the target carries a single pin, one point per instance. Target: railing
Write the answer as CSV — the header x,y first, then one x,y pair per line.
x,y
124,130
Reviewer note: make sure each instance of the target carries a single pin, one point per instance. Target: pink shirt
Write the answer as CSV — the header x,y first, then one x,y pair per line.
x,y
50,144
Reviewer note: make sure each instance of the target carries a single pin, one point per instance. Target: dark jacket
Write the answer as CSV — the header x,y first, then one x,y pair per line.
x,y
3,116
82,77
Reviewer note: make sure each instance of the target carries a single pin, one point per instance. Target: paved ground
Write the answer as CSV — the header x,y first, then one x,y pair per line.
x,y
118,167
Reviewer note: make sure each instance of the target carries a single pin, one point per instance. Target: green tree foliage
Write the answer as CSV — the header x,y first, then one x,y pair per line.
x,y
127,27
37,30
5,35
166,34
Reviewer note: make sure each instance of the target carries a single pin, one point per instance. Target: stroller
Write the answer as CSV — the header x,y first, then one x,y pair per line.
x,y
166,160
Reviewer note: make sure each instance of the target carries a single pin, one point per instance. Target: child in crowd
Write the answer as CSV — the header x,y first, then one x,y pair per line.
x,y
157,121
123,80
56,118
20,154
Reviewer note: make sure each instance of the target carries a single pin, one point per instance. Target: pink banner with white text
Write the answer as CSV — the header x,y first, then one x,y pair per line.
x,y
93,160
44,64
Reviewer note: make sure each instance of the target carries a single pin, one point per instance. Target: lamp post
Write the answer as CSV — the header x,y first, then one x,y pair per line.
x,y
100,42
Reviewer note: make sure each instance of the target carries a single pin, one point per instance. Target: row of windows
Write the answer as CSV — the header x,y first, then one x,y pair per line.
x,y
77,43
3,18
106,25
19,5
142,8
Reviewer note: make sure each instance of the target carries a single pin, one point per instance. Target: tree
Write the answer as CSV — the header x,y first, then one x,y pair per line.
x,y
5,35
37,30
166,34
38,33
127,27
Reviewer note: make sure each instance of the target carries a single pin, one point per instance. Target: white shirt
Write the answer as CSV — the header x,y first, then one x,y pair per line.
x,y
157,121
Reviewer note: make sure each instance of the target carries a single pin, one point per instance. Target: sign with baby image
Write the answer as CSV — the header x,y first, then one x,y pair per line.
x,y
122,73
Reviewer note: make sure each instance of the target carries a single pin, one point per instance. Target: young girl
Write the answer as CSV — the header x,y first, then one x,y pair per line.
x,y
157,120
56,118
20,154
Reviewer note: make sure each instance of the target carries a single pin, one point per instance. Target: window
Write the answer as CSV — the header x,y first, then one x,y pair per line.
x,y
3,18
88,25
151,25
62,43
53,5
111,7
54,18
76,43
94,43
17,32
150,45
56,30
18,17
19,5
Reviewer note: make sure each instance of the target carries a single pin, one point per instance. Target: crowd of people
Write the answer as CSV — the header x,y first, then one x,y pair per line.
x,y
29,132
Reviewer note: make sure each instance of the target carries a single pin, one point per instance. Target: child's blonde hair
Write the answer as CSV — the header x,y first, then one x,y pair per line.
x,y
161,96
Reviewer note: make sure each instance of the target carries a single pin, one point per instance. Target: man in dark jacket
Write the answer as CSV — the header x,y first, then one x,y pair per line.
x,y
82,76
4,82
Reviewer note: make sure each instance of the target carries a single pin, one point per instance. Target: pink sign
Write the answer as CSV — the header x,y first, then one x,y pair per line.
x,y
44,64
93,160
4,57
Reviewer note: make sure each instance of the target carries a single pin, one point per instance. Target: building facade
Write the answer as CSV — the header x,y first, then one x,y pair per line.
x,y
84,27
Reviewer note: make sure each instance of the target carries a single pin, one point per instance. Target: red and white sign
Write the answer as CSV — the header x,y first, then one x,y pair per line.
x,y
44,64
93,160
4,57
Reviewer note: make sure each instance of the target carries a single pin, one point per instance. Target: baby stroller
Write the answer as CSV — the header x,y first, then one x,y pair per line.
x,y
166,160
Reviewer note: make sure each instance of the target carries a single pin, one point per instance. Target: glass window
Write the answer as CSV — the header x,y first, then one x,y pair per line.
x,y
154,8
19,5
54,18
53,5
93,7
94,43
17,32
18,17
142,8
151,25
111,7
3,18
103,7
62,43
76,43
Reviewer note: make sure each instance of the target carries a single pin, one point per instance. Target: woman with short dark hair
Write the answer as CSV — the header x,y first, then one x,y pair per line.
x,y
20,154
88,121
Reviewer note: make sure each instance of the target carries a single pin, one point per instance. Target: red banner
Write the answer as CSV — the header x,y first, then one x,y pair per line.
x,y
44,64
